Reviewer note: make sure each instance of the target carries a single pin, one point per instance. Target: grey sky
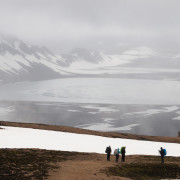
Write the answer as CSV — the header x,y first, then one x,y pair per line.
x,y
94,24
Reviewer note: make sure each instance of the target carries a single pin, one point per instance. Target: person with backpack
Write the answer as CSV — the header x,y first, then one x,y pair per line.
x,y
123,152
162,153
108,151
116,153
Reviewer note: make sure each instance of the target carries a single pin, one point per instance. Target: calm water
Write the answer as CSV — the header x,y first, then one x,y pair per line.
x,y
95,90
150,107
137,119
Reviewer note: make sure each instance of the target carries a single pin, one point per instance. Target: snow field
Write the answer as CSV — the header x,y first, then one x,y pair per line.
x,y
14,137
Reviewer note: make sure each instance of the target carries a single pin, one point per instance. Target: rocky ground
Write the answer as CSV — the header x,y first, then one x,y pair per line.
x,y
54,165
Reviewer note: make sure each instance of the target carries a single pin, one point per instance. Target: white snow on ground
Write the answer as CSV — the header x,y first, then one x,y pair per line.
x,y
55,67
108,119
12,63
171,108
73,110
4,111
178,117
111,63
13,137
83,67
106,127
150,112
99,109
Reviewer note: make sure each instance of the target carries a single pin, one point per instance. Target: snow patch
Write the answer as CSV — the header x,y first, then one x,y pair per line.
x,y
150,112
12,63
106,127
108,119
178,117
99,109
13,137
5,111
73,110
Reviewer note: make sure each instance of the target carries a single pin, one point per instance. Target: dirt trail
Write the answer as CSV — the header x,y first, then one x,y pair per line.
x,y
95,166
89,168
61,165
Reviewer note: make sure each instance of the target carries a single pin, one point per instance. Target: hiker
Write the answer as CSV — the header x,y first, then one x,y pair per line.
x,y
108,151
162,153
123,152
116,153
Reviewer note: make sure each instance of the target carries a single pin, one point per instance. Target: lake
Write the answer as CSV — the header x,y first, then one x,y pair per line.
x,y
150,107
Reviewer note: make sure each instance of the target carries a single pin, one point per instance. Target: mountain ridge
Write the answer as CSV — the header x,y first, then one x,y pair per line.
x,y
23,62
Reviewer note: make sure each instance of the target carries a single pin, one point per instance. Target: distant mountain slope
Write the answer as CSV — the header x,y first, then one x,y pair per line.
x,y
19,61
85,62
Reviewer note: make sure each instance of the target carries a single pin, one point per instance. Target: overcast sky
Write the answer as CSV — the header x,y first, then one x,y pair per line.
x,y
103,25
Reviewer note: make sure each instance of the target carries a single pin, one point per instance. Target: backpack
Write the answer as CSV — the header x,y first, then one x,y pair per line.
x,y
108,150
116,152
122,150
165,152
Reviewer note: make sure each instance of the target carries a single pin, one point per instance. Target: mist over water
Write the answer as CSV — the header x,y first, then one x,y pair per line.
x,y
102,104
95,90
155,120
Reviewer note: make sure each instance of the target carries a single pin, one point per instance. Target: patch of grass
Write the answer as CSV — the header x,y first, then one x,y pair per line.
x,y
25,164
146,171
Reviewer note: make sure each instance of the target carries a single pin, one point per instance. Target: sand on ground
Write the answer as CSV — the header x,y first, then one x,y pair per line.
x,y
90,168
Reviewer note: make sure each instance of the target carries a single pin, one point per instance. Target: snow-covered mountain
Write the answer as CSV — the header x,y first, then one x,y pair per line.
x,y
81,54
82,61
140,62
19,61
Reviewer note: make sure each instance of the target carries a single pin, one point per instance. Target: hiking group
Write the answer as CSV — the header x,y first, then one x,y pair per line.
x,y
117,152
